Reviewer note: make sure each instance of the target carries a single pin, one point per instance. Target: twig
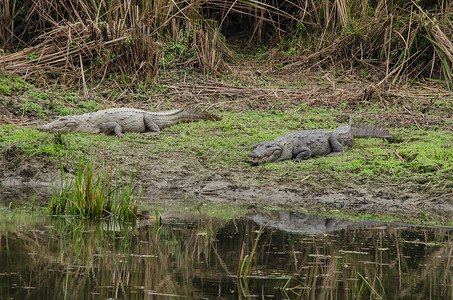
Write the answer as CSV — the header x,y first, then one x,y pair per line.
x,y
399,157
85,90
432,199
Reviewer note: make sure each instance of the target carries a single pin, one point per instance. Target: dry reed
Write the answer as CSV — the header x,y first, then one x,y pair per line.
x,y
401,41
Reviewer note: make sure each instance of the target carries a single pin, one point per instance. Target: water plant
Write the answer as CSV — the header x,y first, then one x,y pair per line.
x,y
96,191
246,261
367,285
296,289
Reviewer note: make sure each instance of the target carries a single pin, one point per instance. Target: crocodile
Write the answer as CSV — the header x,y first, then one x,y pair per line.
x,y
301,145
119,120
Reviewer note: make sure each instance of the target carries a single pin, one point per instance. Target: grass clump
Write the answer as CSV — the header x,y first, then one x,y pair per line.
x,y
96,191
35,143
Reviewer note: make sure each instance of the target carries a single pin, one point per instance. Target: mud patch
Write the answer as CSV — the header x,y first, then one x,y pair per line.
x,y
12,154
245,186
183,183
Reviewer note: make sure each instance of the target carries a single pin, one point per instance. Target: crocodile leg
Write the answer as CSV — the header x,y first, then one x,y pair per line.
x,y
153,129
335,145
301,153
108,127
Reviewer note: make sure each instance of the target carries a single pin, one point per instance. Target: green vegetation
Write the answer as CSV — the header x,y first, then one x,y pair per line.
x,y
366,285
245,262
95,192
13,85
32,142
413,161
418,156
25,99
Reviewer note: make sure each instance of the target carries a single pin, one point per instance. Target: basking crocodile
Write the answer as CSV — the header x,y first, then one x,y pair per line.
x,y
301,145
119,120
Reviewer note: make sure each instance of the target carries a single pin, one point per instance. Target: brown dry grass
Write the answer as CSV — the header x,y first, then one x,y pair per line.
x,y
81,40
394,106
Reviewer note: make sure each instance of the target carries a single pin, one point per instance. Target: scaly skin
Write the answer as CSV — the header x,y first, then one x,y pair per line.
x,y
120,120
301,145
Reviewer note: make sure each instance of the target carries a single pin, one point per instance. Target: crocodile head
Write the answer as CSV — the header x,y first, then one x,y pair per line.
x,y
63,124
265,152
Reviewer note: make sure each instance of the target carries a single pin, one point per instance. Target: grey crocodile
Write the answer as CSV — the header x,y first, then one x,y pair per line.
x,y
301,145
119,120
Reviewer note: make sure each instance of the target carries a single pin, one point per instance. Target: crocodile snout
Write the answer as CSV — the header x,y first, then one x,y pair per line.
x,y
43,127
253,155
259,156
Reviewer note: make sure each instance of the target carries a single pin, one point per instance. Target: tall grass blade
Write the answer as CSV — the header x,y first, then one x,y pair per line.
x,y
95,192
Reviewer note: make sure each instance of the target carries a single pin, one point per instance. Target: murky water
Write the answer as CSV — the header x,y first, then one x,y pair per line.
x,y
292,257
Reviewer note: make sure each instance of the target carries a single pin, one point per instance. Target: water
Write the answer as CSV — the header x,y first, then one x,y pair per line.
x,y
194,257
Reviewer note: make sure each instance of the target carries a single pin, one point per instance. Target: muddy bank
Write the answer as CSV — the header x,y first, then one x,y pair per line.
x,y
175,179
186,176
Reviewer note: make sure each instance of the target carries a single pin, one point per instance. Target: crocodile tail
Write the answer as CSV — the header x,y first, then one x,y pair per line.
x,y
190,115
364,131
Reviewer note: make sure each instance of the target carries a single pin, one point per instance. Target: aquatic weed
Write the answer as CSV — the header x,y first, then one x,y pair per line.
x,y
246,261
244,265
366,285
96,191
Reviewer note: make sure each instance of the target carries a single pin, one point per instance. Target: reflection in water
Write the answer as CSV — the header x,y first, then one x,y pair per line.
x,y
297,257
298,223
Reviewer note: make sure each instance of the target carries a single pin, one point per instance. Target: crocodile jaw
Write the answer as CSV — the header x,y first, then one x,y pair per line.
x,y
63,124
265,153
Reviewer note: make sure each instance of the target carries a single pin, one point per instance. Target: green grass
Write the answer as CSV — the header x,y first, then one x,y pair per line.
x,y
23,98
220,144
96,191
421,155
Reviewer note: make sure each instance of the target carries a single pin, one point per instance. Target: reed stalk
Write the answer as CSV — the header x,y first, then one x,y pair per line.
x,y
95,192
88,40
